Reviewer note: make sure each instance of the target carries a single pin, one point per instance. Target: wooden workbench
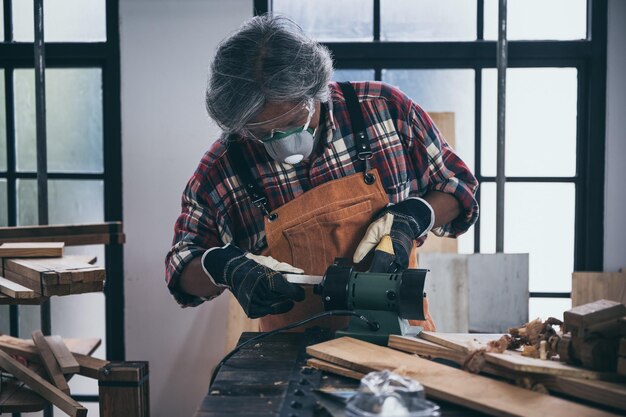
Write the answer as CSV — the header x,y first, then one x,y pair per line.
x,y
260,380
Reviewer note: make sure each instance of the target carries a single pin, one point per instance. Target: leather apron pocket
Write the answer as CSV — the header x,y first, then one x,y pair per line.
x,y
316,242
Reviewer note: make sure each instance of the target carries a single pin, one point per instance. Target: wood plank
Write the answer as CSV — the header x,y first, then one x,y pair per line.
x,y
42,387
593,313
31,249
6,300
462,342
41,276
599,392
73,267
334,369
512,360
448,384
89,367
15,290
49,362
591,286
27,282
67,362
84,234
85,287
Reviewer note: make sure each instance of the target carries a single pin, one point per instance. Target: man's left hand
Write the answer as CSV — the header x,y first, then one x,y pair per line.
x,y
404,222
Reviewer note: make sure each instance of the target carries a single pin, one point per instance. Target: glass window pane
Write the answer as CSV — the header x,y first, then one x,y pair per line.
x,y
4,214
69,201
539,220
540,122
548,307
3,125
64,20
354,75
73,120
448,91
350,20
539,19
427,20
443,91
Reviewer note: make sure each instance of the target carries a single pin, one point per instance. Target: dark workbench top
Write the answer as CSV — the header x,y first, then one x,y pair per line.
x,y
260,380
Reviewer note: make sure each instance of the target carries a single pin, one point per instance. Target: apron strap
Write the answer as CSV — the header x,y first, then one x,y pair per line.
x,y
244,172
364,151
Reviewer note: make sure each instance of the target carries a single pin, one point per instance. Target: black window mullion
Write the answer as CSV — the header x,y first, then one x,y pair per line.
x,y
8,20
478,100
11,146
376,31
480,20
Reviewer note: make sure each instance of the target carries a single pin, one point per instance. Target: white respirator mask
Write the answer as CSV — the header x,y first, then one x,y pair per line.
x,y
289,145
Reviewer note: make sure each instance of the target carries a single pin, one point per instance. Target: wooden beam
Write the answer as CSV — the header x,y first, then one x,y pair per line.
x,y
124,390
42,387
67,362
6,300
448,384
87,234
593,313
49,362
31,249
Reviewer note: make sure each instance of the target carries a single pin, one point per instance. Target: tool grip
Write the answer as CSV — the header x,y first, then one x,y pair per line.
x,y
384,256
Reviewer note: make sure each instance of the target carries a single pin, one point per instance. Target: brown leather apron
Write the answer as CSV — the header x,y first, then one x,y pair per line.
x,y
313,229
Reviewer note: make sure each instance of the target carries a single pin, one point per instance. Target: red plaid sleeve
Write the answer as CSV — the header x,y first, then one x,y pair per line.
x,y
195,230
444,170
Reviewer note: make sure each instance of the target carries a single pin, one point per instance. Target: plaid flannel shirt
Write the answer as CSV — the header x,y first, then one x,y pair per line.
x,y
409,152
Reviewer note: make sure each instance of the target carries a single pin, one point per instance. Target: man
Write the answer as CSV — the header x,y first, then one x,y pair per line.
x,y
306,171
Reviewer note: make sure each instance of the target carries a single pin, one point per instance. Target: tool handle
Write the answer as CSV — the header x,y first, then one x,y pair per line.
x,y
384,256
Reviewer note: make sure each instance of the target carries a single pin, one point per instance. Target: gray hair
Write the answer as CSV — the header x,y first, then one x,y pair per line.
x,y
269,59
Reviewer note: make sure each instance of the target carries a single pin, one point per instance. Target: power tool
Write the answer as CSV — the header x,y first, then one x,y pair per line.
x,y
388,299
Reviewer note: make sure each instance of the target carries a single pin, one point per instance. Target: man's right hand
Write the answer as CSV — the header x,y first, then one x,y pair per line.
x,y
256,281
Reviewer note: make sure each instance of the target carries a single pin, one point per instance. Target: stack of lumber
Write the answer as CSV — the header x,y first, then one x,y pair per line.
x,y
51,361
442,382
29,272
592,335
603,388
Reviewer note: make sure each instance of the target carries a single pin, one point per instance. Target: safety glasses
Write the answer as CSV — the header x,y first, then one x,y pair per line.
x,y
294,120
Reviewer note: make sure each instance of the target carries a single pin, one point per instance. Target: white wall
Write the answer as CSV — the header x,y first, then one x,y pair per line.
x,y
615,188
165,49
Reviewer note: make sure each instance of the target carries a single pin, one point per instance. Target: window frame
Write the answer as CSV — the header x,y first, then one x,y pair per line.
x,y
588,56
106,56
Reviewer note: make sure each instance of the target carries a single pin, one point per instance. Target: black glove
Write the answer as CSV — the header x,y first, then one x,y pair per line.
x,y
404,222
254,280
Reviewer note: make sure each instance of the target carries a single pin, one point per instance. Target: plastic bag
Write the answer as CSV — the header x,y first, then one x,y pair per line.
x,y
390,395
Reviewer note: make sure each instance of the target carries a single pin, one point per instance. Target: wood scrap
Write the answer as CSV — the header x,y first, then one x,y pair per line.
x,y
67,362
334,369
599,392
81,349
446,383
593,313
591,286
42,387
31,249
50,362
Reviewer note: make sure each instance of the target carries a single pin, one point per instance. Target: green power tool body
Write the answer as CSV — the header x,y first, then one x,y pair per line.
x,y
388,299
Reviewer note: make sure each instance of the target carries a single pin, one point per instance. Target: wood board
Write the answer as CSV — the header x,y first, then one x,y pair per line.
x,y
512,360
15,290
6,300
599,392
31,249
42,387
55,374
67,362
591,286
81,348
335,369
446,383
